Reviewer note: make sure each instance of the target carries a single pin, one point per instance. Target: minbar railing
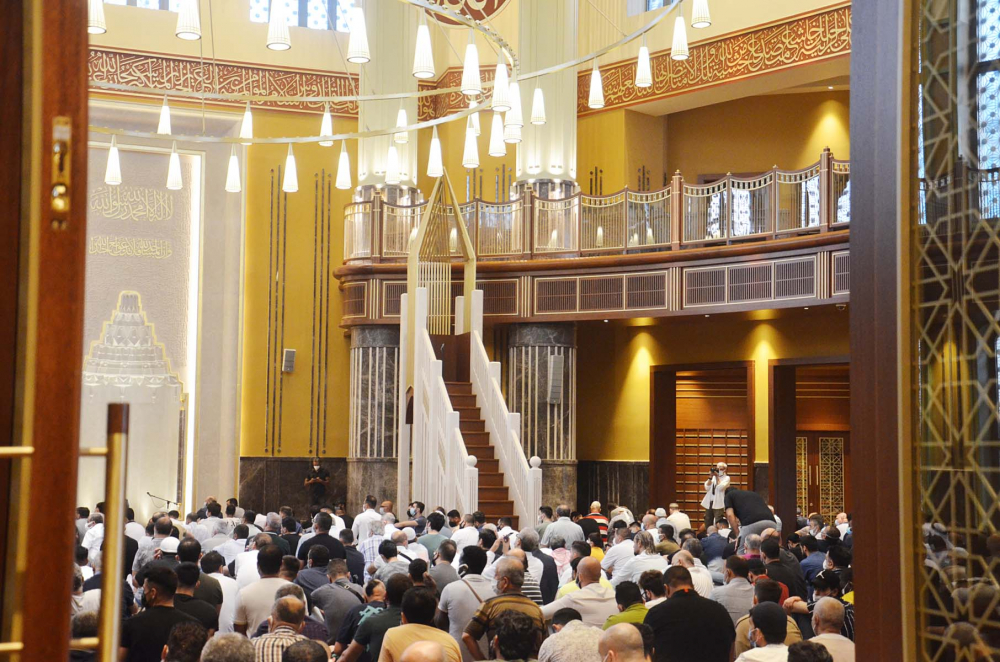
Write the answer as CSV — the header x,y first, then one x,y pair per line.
x,y
728,210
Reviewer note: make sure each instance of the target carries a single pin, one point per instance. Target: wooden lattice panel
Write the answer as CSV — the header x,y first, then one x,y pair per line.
x,y
697,451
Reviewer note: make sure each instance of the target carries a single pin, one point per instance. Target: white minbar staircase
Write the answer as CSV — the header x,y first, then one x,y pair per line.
x,y
464,442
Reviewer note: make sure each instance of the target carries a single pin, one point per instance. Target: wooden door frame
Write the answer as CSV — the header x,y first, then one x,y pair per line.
x,y
663,427
782,430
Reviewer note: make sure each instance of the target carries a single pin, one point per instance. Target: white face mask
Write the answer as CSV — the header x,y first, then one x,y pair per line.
x,y
381,510
315,467
413,512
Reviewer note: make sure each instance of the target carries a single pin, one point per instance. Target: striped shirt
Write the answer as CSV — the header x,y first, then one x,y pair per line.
x,y
369,549
483,620
270,647
532,589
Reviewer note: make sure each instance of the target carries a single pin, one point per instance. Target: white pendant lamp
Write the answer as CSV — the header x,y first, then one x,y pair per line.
x,y
189,21
278,38
471,83
501,87
538,107
344,168
497,146
290,183
246,127
164,126
326,126
474,119
643,71
423,56
392,166
401,137
174,181
470,155
511,132
596,99
113,172
357,45
435,168
679,48
514,116
700,16
96,24
233,184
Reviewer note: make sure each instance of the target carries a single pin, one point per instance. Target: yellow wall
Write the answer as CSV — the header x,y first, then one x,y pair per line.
x,y
298,289
753,134
599,143
614,362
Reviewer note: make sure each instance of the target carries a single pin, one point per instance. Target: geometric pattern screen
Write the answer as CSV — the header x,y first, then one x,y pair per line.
x,y
955,327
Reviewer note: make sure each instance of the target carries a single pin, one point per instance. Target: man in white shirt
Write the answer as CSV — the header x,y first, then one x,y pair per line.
x,y
714,501
247,562
827,623
465,535
95,536
594,602
369,513
195,529
254,602
212,564
843,525
678,520
645,558
236,546
460,600
220,536
768,628
700,576
619,552
133,529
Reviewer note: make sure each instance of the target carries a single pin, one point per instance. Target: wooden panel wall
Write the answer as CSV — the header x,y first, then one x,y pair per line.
x,y
823,398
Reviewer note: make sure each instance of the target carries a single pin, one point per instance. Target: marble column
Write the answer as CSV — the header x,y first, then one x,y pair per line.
x,y
546,157
539,356
373,433
392,30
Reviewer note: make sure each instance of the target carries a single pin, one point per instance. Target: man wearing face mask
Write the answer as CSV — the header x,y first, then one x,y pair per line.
x,y
768,629
509,579
362,523
145,634
317,480
688,627
416,519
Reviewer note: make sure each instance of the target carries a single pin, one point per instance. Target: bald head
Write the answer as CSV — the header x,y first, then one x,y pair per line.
x,y
520,556
684,559
588,571
769,533
399,537
621,643
423,651
288,610
828,616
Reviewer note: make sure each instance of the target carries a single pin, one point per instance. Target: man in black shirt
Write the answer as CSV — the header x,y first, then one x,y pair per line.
x,y
747,513
187,581
145,634
321,525
355,559
687,627
209,589
795,582
317,480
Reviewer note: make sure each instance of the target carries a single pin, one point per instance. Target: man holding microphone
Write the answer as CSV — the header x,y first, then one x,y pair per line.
x,y
714,502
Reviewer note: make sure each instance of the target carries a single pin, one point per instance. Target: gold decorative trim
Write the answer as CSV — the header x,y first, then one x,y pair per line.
x,y
802,40
194,75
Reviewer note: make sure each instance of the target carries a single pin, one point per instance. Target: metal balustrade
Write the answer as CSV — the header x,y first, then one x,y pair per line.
x,y
732,209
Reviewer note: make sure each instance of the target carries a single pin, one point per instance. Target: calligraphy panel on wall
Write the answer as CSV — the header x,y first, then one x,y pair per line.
x,y
140,318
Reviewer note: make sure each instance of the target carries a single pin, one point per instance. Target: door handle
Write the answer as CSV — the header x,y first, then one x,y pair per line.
x,y
62,134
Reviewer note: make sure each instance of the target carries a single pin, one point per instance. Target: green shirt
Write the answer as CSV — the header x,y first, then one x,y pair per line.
x,y
432,541
635,613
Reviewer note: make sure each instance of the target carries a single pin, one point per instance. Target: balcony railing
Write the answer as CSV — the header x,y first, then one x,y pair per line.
x,y
731,209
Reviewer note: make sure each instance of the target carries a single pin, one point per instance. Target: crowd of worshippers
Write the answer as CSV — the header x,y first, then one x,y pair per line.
x,y
225,584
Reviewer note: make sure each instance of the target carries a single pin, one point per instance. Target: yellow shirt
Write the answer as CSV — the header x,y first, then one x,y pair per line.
x,y
597,553
397,640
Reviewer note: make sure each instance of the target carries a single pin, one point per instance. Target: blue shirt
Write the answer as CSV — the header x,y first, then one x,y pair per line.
x,y
811,566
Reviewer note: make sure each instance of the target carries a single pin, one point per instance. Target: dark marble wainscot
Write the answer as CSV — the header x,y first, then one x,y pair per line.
x,y
622,483
559,482
267,483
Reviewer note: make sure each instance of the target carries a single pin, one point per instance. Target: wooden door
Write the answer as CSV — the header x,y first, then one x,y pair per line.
x,y
822,461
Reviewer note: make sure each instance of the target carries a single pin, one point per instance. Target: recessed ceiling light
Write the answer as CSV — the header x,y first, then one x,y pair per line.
x,y
829,87
806,308
605,321
707,315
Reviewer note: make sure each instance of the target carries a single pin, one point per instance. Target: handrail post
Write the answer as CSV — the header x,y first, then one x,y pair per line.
x,y
375,230
727,222
477,312
459,315
825,188
535,481
529,222
113,553
451,428
676,209
774,202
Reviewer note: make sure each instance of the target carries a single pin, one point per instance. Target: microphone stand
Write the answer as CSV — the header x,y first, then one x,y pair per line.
x,y
153,496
